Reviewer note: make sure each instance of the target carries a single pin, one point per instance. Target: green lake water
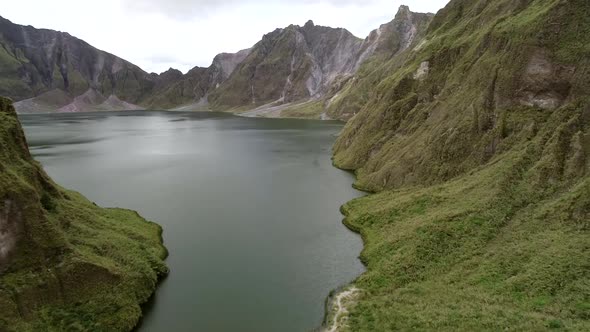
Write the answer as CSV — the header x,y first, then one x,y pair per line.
x,y
249,207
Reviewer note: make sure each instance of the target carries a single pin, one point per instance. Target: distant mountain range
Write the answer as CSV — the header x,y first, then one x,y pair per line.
x,y
294,71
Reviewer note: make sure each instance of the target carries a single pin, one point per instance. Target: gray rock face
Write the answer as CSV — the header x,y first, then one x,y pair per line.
x,y
310,62
35,61
226,63
292,64
544,84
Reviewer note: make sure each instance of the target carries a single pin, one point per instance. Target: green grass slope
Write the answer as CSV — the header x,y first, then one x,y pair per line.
x,y
478,146
466,88
65,263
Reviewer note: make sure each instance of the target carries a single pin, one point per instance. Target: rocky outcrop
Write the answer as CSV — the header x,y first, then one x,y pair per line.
x,y
224,64
544,83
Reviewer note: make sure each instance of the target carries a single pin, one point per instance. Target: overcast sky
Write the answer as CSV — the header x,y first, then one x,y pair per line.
x,y
159,34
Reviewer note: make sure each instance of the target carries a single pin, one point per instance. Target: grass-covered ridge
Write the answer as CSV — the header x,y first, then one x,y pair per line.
x,y
497,248
484,67
65,263
478,144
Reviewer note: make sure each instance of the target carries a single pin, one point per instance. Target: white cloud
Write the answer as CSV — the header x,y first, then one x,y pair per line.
x,y
158,34
186,9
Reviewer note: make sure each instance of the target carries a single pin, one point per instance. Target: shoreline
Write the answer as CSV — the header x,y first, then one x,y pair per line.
x,y
349,291
246,114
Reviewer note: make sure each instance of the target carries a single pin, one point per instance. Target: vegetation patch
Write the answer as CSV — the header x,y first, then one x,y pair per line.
x,y
67,264
307,110
481,216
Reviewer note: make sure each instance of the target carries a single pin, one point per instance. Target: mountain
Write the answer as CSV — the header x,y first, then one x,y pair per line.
x,y
49,69
295,69
476,142
65,263
290,64
291,72
390,41
176,90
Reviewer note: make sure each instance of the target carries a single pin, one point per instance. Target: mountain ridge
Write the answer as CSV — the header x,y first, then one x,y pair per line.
x,y
47,70
308,63
471,129
40,60
475,143
320,75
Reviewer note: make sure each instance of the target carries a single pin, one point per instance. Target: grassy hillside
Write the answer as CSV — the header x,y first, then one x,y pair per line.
x,y
65,263
466,88
478,145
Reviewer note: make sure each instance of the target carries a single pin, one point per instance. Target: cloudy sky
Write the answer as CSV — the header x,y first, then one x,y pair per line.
x,y
159,34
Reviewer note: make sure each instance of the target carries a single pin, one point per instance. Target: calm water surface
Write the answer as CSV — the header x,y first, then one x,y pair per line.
x,y
250,209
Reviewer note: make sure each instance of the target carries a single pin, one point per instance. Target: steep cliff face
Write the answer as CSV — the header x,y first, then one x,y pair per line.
x,y
477,139
64,262
292,64
35,62
224,64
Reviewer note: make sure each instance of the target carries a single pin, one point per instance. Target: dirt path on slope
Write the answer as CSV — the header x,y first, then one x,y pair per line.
x,y
339,305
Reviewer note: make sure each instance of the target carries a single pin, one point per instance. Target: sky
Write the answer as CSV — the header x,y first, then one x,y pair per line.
x,y
161,34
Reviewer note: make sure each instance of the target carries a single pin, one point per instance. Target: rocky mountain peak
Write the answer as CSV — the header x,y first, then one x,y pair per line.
x,y
226,63
403,10
172,72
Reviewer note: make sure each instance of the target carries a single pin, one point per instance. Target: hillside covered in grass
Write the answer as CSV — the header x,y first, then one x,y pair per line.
x,y
65,263
477,144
